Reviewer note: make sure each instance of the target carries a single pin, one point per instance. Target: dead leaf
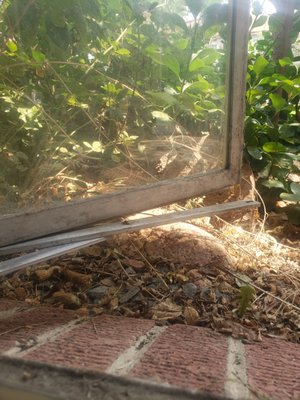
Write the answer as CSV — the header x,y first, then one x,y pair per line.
x,y
177,277
44,274
194,274
222,325
132,292
96,311
95,251
98,292
245,279
83,311
191,315
21,293
76,277
166,310
225,287
136,264
113,304
107,282
67,299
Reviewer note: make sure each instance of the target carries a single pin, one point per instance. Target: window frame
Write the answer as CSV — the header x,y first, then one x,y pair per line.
x,y
62,217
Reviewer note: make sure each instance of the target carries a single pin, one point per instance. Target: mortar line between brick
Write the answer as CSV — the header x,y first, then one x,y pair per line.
x,y
236,383
44,338
133,354
12,311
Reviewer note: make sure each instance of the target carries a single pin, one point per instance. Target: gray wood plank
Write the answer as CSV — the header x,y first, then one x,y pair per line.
x,y
130,226
18,263
237,85
29,225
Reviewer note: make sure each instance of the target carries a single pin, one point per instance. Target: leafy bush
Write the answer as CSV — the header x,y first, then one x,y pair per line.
x,y
83,80
272,126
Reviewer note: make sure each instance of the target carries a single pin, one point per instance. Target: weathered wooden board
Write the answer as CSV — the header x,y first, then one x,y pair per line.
x,y
237,85
121,227
17,263
17,228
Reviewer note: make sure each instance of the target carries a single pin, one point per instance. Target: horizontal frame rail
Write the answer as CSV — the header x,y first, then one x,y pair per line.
x,y
54,246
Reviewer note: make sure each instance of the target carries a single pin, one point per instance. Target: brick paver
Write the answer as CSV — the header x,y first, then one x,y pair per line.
x,y
94,344
22,328
273,368
10,305
186,356
180,356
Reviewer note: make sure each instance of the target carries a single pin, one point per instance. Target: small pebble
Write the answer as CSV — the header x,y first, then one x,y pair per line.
x,y
190,289
98,292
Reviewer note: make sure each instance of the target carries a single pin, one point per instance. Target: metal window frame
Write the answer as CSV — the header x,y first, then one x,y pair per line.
x,y
62,217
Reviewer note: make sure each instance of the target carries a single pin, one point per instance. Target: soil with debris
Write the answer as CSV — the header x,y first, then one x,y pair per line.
x,y
180,274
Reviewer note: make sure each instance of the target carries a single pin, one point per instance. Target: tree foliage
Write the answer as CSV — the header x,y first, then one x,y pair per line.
x,y
82,80
272,127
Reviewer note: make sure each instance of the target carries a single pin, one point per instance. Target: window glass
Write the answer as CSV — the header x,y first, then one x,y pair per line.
x,y
98,96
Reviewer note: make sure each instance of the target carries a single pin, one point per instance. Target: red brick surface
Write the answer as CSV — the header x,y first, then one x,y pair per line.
x,y
22,327
186,357
274,368
183,356
92,345
10,305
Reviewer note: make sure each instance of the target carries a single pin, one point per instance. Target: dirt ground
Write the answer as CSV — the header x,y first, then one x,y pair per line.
x,y
207,273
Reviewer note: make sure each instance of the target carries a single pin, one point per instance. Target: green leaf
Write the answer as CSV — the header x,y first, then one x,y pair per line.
x,y
290,133
290,197
201,85
265,171
56,15
273,183
162,98
123,52
161,116
255,152
181,44
195,6
256,8
261,20
12,46
278,102
209,105
295,188
247,293
293,213
171,19
285,61
259,65
215,14
196,64
274,147
167,60
283,160
171,62
295,195
38,56
203,58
